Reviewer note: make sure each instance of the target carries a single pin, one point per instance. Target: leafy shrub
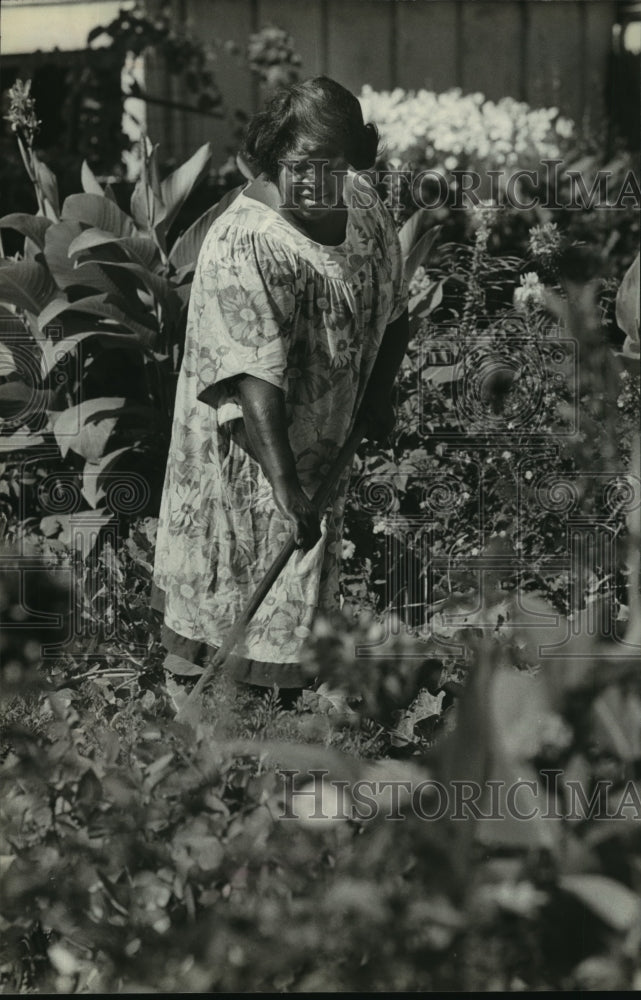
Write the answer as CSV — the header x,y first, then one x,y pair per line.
x,y
92,339
137,854
493,380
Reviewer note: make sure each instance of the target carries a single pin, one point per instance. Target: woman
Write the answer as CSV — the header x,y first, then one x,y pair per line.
x,y
297,321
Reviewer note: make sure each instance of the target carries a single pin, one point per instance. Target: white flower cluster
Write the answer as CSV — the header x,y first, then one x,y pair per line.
x,y
545,241
530,293
451,130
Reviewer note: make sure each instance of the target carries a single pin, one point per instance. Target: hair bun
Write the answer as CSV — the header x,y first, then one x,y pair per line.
x,y
366,147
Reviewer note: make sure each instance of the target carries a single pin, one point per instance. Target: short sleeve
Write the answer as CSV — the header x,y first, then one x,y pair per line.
x,y
243,315
400,293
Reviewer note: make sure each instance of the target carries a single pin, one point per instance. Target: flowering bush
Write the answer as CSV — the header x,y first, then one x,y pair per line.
x,y
485,352
271,56
530,291
451,130
137,855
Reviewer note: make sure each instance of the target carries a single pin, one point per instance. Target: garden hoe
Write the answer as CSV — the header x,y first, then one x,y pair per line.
x,y
190,711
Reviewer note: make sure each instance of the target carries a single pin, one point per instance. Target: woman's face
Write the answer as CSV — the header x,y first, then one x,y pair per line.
x,y
310,181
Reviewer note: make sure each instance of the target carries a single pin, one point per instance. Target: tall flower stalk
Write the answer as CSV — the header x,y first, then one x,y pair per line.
x,y
474,299
24,124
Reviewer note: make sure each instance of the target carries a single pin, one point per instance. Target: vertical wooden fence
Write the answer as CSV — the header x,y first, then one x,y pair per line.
x,y
545,52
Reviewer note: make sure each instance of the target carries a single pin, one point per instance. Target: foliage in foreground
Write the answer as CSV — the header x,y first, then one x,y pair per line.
x,y
140,855
137,855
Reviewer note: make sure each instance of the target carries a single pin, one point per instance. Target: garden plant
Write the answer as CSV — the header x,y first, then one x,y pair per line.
x,y
489,632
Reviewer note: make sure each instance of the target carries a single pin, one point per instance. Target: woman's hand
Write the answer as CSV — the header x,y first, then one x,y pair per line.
x,y
296,505
265,428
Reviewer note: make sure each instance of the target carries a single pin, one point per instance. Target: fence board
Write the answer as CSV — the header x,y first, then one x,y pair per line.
x,y
359,43
426,44
600,17
548,52
555,58
490,43
223,20
158,121
304,23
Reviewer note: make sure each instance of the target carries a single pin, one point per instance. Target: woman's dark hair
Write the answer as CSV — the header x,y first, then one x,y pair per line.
x,y
319,111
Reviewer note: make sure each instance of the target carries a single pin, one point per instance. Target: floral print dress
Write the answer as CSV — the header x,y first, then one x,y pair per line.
x,y
268,301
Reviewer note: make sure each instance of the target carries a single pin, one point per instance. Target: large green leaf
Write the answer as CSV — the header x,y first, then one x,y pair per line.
x,y
183,292
89,181
80,530
26,284
7,361
56,250
413,229
49,187
147,205
88,428
110,194
99,305
14,339
18,397
94,473
443,374
31,250
139,249
613,902
161,289
33,227
176,188
185,250
617,725
57,242
424,303
55,351
11,324
419,251
19,440
98,211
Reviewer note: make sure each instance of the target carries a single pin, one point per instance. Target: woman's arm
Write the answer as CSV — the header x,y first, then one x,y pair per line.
x,y
265,419
265,422
377,403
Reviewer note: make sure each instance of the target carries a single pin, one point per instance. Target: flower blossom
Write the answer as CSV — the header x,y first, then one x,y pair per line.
x,y
22,110
545,241
530,293
452,130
